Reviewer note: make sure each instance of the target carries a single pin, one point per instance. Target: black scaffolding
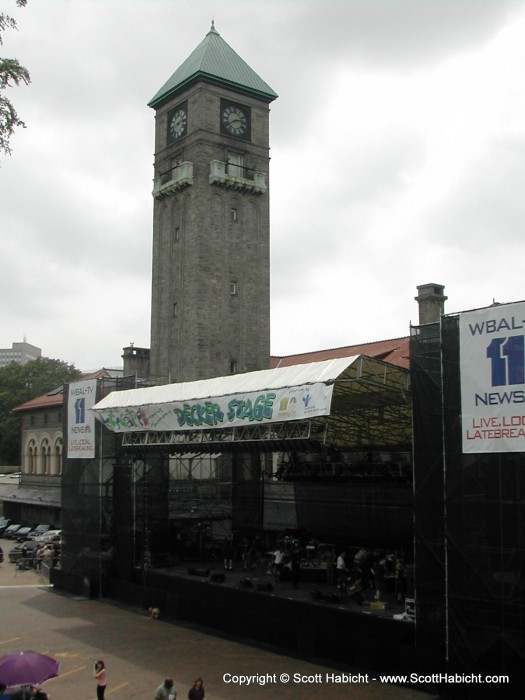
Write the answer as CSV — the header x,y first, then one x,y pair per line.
x,y
469,522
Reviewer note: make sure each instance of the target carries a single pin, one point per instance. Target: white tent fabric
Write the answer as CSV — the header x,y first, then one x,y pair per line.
x,y
290,393
326,371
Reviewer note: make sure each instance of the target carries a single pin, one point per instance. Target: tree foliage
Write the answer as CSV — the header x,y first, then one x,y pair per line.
x,y
21,383
11,74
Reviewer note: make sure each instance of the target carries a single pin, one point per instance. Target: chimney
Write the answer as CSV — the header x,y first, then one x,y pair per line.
x,y
136,361
431,300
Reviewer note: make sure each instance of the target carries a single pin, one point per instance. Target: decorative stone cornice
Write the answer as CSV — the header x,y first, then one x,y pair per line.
x,y
219,176
181,177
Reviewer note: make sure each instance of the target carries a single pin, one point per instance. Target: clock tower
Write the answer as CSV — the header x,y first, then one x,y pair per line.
x,y
210,312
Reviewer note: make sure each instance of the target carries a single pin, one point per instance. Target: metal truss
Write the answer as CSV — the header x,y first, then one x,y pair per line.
x,y
271,434
371,406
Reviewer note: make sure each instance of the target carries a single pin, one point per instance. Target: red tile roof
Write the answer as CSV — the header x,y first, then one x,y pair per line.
x,y
46,401
55,398
396,351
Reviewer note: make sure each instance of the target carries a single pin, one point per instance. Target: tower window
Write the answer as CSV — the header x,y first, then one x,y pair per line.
x,y
234,166
175,310
233,366
233,288
233,214
177,233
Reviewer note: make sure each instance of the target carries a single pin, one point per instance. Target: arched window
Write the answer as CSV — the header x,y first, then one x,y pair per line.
x,y
30,462
56,464
45,456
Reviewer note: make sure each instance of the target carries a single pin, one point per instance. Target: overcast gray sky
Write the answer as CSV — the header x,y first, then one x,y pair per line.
x,y
398,158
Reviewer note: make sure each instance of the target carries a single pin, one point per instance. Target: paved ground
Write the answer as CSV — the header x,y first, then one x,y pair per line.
x,y
140,652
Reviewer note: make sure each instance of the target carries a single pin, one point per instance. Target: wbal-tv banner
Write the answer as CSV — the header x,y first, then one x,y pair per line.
x,y
80,421
492,363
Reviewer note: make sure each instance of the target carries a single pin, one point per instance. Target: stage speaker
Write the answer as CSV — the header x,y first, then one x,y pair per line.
x,y
191,571
217,578
264,587
202,572
245,582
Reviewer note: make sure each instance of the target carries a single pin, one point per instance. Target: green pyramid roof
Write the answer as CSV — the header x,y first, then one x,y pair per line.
x,y
214,60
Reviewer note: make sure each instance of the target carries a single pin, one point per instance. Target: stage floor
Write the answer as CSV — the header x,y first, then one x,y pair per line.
x,y
312,587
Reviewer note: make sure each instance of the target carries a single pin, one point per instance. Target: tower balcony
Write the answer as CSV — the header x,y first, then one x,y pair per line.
x,y
176,179
236,177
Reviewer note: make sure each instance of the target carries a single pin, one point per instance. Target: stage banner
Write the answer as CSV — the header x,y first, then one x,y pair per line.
x,y
80,421
492,365
290,403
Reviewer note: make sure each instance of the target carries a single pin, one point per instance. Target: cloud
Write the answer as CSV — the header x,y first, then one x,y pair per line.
x,y
397,146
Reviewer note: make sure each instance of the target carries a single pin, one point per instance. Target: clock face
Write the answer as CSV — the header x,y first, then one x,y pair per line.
x,y
235,120
177,122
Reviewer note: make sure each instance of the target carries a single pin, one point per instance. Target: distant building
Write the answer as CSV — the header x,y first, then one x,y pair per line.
x,y
37,498
21,353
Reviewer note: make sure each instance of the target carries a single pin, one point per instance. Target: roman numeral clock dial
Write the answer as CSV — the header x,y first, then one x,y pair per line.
x,y
177,123
235,120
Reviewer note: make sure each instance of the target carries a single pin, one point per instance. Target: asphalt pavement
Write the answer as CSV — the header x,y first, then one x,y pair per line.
x,y
140,652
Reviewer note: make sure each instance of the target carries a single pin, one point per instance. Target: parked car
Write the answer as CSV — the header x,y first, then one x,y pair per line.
x,y
38,530
4,524
11,530
22,534
49,536
1,555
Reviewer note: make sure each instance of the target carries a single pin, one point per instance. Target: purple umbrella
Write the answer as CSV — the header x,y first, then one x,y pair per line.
x,y
27,667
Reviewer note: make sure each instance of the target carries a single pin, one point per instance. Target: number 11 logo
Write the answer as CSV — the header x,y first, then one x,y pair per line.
x,y
507,359
80,411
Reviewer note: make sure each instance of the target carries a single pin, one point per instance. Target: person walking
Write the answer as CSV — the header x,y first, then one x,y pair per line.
x,y
278,564
342,570
99,673
196,692
227,553
165,691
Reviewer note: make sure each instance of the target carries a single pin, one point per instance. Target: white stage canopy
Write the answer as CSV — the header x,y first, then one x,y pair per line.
x,y
352,402
268,396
